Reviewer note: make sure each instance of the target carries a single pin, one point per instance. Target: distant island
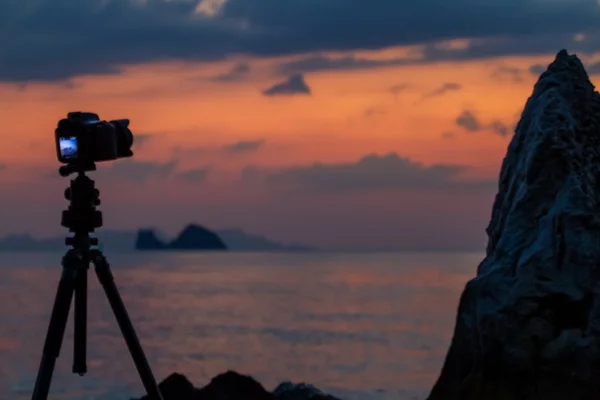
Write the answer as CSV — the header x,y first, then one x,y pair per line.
x,y
192,237
234,239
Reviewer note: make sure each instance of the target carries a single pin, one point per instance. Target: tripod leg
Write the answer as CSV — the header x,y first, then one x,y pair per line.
x,y
80,323
56,328
135,349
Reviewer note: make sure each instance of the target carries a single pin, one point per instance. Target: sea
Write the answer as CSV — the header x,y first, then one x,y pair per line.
x,y
372,326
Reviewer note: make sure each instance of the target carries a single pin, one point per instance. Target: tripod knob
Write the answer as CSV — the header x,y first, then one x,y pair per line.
x,y
68,194
96,200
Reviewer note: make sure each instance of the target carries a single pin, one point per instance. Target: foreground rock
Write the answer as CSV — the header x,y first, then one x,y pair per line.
x,y
233,386
528,325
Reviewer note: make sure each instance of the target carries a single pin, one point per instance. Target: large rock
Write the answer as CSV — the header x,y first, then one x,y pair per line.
x,y
528,325
234,386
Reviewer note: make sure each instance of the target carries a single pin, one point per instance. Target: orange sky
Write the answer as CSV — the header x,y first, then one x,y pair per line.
x,y
175,102
184,108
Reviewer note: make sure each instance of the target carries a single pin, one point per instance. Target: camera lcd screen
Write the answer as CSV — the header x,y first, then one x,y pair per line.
x,y
68,147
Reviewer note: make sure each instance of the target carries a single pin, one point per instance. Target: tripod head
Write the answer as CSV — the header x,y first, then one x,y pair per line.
x,y
81,217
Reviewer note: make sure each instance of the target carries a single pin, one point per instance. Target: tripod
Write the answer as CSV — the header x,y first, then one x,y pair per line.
x,y
81,218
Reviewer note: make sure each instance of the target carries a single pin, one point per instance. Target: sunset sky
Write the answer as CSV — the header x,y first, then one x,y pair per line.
x,y
341,124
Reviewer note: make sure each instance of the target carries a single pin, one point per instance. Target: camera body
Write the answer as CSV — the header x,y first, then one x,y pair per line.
x,y
82,138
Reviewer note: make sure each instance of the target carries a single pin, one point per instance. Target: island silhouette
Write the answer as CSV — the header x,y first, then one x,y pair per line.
x,y
234,239
192,237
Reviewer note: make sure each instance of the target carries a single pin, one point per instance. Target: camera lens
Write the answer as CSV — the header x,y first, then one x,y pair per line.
x,y
124,137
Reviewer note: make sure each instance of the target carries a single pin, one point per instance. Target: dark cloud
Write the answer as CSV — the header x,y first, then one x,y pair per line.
x,y
157,30
141,139
191,151
398,88
140,171
244,146
593,68
469,121
445,88
194,175
499,127
374,111
294,85
251,173
371,172
508,73
435,52
130,169
235,74
324,62
448,135
537,69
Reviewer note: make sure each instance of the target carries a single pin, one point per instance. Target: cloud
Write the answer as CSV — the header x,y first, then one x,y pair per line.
x,y
593,68
371,172
476,49
130,169
174,30
191,151
445,88
323,62
239,147
235,74
508,73
374,111
295,84
398,88
537,69
469,121
194,175
499,127
252,173
448,135
244,146
141,171
141,139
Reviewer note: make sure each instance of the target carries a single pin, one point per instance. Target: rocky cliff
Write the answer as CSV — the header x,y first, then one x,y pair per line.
x,y
528,324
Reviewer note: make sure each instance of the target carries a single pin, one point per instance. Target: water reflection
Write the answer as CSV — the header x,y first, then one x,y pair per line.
x,y
373,326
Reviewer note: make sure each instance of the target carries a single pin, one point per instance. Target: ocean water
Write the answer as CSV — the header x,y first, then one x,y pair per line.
x,y
360,326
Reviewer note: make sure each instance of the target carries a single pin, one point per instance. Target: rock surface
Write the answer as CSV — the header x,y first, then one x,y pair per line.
x,y
528,324
233,386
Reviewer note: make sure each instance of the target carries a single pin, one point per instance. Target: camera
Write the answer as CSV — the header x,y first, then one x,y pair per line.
x,y
82,138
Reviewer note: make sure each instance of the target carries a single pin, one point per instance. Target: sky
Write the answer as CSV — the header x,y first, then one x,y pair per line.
x,y
335,123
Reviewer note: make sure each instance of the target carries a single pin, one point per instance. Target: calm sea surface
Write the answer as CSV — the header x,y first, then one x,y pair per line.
x,y
361,326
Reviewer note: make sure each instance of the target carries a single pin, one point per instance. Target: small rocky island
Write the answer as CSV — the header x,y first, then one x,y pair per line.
x,y
528,324
192,237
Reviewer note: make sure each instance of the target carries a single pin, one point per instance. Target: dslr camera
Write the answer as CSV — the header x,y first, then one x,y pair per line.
x,y
82,139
